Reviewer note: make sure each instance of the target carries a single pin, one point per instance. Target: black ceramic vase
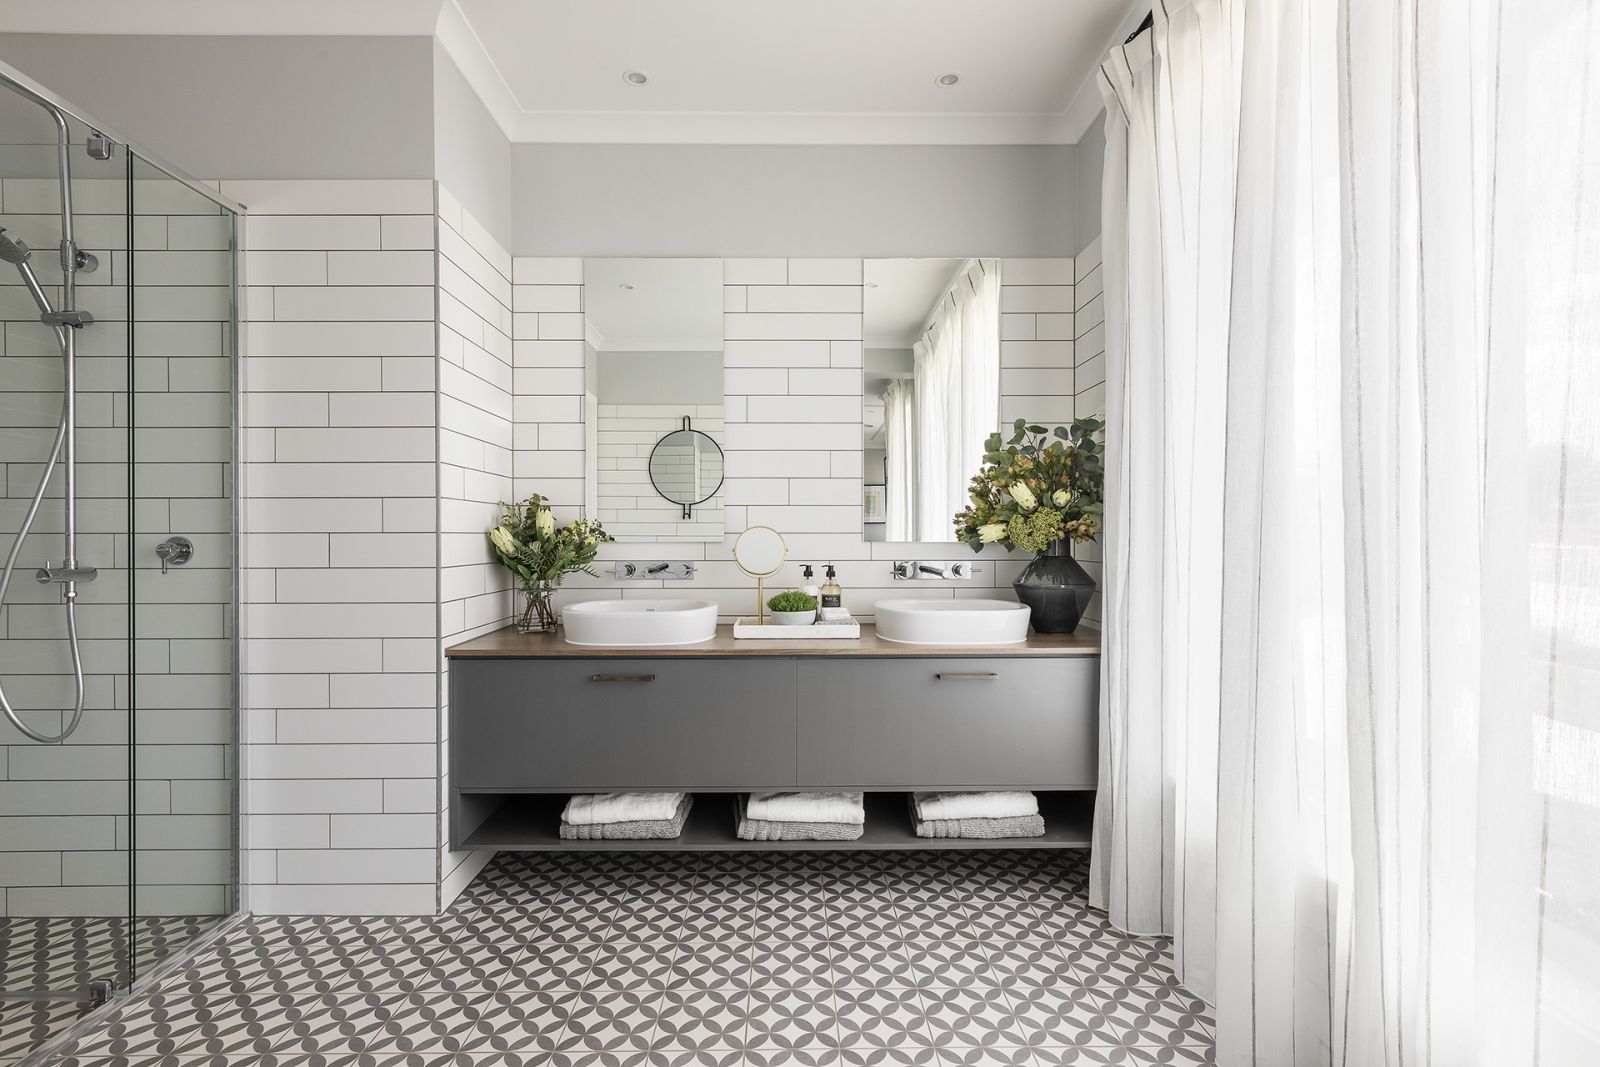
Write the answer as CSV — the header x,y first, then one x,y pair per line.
x,y
1056,589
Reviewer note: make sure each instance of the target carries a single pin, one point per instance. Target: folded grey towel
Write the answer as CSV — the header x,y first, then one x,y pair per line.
x,y
749,829
644,830
985,829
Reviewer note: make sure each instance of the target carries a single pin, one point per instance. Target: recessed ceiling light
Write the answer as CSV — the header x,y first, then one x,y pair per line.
x,y
624,285
947,79
635,77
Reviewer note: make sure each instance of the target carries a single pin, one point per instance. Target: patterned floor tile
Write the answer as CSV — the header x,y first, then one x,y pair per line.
x,y
948,963
883,1018
1061,1016
758,959
792,1018
971,1018
871,964
701,1020
607,1021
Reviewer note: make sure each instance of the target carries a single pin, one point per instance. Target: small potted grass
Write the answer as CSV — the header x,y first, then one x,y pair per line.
x,y
793,608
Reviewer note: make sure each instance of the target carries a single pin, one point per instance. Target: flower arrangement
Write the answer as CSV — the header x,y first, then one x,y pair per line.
x,y
541,554
1041,486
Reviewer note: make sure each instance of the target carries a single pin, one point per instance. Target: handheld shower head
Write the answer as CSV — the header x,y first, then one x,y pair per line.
x,y
13,250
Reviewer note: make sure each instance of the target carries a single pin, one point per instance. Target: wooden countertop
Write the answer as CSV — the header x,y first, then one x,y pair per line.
x,y
508,644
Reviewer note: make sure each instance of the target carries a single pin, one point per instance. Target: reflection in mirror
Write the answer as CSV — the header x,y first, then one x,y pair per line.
x,y
931,391
653,366
686,467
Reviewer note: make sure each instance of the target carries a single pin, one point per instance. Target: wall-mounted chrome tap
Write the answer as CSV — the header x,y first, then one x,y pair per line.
x,y
906,570
659,570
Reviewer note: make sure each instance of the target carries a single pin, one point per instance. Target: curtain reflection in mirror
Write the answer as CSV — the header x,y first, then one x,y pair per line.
x,y
935,423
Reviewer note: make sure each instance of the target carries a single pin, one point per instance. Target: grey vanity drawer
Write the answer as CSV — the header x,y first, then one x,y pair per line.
x,y
622,724
948,723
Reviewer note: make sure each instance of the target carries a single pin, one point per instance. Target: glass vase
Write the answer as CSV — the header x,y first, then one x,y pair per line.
x,y
1056,588
535,612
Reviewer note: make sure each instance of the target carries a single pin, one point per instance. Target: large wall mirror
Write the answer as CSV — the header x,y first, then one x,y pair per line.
x,y
930,391
653,397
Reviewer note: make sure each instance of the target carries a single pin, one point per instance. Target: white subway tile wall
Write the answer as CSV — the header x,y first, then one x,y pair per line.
x,y
64,825
354,426
792,413
1090,373
475,467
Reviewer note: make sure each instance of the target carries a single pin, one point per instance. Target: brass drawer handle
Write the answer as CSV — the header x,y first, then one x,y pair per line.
x,y
634,678
986,676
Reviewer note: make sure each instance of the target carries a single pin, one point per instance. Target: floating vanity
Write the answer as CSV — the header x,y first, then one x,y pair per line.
x,y
534,719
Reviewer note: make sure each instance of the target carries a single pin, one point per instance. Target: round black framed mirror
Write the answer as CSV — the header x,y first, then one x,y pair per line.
x,y
686,467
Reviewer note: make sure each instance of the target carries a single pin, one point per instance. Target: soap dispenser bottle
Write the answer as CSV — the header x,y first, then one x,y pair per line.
x,y
832,596
811,590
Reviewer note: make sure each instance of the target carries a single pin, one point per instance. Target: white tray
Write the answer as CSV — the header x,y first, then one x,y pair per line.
x,y
819,631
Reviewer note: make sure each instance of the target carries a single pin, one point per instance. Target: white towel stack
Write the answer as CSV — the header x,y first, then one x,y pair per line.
x,y
624,816
790,816
979,814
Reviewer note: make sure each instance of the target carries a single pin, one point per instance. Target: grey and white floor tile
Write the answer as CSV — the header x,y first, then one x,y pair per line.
x,y
69,953
761,959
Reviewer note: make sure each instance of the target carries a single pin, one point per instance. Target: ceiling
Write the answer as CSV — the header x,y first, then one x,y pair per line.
x,y
720,71
653,305
899,297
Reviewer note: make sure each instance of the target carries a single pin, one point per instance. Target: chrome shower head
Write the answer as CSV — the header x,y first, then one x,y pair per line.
x,y
12,250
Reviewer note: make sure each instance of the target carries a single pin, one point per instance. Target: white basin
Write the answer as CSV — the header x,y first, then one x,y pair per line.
x,y
639,623
952,623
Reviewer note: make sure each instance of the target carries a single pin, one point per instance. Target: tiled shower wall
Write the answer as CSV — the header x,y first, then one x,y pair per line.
x,y
64,824
342,546
474,461
792,377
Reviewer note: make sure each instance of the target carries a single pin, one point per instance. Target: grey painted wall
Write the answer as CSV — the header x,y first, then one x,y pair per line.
x,y
472,158
1089,160
251,107
721,200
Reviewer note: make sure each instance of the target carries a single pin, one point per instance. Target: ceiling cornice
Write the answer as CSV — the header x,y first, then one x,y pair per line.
x,y
1087,105
773,128
462,44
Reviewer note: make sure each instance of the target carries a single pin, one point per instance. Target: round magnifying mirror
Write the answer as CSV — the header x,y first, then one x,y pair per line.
x,y
686,467
760,551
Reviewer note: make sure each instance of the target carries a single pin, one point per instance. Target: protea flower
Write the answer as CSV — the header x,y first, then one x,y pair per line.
x,y
991,532
544,522
1023,496
1060,498
503,540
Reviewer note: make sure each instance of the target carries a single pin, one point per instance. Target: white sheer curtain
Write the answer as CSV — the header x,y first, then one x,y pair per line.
x,y
956,367
899,452
933,361
1351,736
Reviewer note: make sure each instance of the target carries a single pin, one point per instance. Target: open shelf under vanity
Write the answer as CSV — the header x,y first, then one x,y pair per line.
x,y
528,822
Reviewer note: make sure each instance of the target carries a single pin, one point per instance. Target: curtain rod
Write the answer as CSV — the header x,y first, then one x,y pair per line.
x,y
965,271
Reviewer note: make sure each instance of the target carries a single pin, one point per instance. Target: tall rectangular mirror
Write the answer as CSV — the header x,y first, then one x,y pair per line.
x,y
653,398
930,391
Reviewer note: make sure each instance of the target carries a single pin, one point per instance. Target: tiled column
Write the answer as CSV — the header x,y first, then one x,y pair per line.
x,y
341,548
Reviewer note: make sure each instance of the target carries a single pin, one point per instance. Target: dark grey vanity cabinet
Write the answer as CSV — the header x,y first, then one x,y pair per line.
x,y
948,723
533,720
596,725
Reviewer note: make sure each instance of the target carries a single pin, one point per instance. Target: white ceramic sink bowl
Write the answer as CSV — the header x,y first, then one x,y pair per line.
x,y
639,623
952,623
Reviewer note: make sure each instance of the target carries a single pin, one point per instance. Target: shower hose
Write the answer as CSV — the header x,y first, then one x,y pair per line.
x,y
72,603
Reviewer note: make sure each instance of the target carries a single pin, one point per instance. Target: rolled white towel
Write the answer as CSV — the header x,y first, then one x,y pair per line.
x,y
981,804
591,809
806,807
